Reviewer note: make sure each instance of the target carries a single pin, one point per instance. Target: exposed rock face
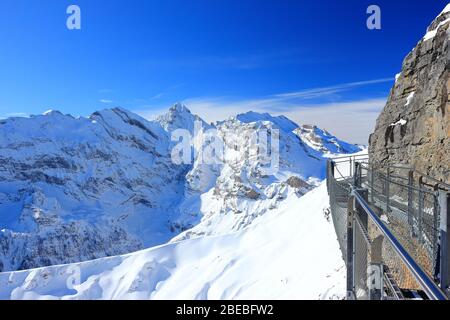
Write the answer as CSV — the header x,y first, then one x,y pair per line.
x,y
414,127
323,141
296,182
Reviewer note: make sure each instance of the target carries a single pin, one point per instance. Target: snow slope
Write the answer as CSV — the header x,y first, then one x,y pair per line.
x,y
78,189
289,253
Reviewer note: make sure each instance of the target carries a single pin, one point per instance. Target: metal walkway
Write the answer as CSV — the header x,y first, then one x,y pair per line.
x,y
391,225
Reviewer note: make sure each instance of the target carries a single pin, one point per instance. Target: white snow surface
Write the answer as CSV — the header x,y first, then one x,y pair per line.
x,y
409,99
401,122
446,9
289,253
80,189
432,33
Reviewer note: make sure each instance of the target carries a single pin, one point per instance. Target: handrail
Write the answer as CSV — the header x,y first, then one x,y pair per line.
x,y
411,187
428,285
424,175
346,179
413,169
444,186
424,279
350,156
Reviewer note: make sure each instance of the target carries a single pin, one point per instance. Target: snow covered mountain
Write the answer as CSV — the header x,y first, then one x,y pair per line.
x,y
77,189
230,196
272,259
323,141
74,189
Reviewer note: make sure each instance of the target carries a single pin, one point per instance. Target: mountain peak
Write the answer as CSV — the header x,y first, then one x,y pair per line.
x,y
323,141
441,20
179,108
52,112
315,129
411,142
179,117
112,115
446,9
281,121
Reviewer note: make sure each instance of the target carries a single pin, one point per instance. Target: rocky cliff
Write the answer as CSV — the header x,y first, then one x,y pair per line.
x,y
414,127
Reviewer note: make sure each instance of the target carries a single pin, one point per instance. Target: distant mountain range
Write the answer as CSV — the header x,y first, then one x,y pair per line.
x,y
76,189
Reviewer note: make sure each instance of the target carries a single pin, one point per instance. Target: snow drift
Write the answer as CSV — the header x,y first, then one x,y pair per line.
x,y
289,253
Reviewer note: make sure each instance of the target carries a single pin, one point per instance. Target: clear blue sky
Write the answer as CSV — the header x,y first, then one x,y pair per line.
x,y
218,56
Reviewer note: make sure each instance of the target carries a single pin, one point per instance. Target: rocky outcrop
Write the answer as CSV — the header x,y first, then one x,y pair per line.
x,y
323,141
296,182
414,127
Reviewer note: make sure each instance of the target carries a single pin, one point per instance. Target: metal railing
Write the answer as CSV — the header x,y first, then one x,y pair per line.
x,y
393,239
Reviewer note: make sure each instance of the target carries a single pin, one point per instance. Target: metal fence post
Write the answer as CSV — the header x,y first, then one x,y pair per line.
x,y
351,167
436,228
328,173
360,174
444,205
350,249
371,184
355,174
388,178
420,211
332,165
410,197
361,264
376,269
361,213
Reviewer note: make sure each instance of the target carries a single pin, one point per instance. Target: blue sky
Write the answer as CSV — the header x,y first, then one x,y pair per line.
x,y
314,61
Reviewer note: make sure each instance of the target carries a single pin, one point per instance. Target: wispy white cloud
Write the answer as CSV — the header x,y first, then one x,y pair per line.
x,y
106,101
157,96
324,91
14,114
17,114
351,119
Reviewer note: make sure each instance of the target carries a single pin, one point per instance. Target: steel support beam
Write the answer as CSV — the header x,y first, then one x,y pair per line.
x,y
444,205
350,249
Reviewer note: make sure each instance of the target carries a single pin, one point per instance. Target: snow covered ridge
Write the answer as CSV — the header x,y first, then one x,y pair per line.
x,y
289,253
77,189
438,24
442,19
323,141
208,146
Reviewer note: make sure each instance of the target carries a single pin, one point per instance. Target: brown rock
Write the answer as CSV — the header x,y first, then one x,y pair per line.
x,y
414,127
